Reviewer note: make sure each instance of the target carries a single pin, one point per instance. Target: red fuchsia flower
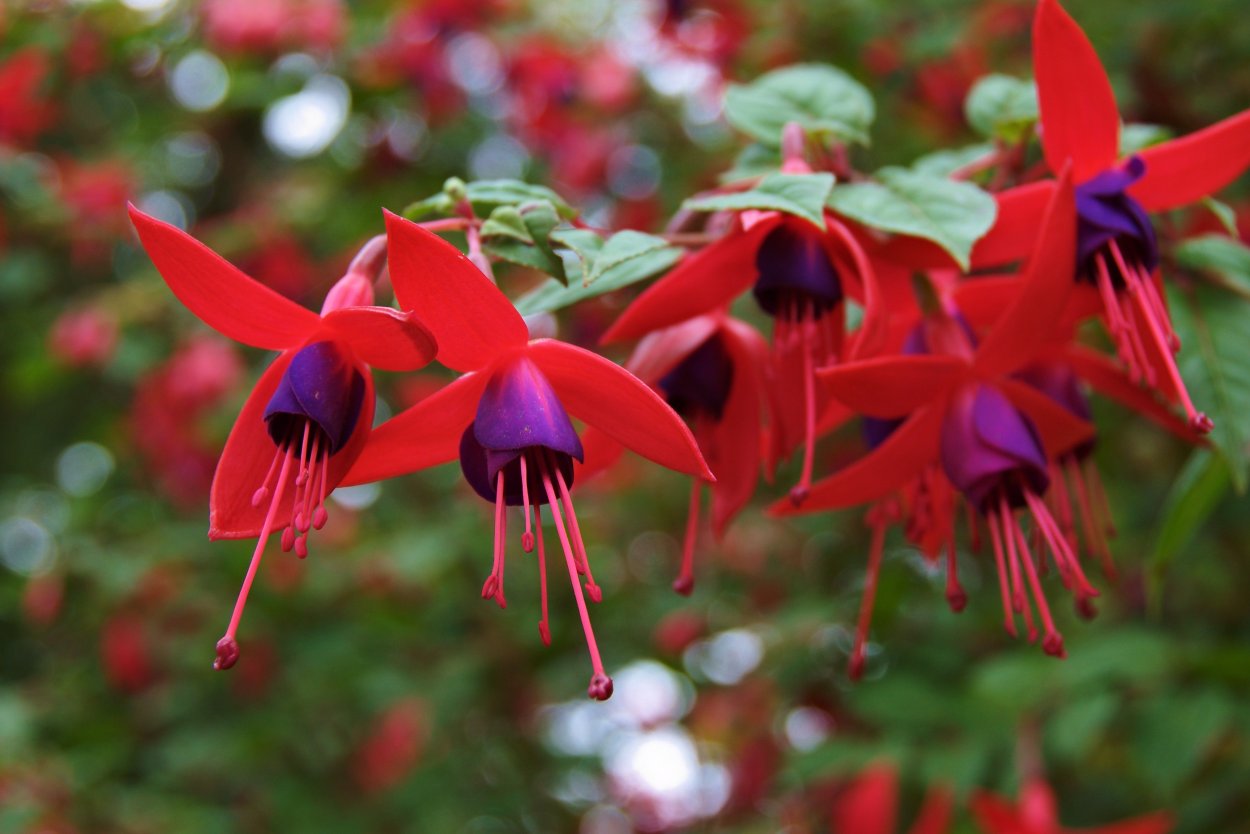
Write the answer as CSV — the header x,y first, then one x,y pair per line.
x,y
311,412
955,406
1116,250
708,370
25,111
85,337
269,26
507,417
800,275
1036,813
869,805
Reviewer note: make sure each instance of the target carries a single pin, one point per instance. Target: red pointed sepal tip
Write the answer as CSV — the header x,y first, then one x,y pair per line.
x,y
227,653
600,688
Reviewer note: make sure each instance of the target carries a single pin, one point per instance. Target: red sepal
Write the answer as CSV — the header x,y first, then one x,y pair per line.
x,y
995,815
900,458
892,386
383,338
470,318
702,282
425,435
869,805
249,451
1158,823
219,294
1044,289
1189,168
604,395
736,450
860,282
935,815
1079,118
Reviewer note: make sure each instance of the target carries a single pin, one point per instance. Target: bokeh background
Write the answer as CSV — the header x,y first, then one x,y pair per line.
x,y
377,691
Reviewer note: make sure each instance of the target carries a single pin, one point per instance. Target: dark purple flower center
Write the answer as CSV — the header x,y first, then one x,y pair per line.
x,y
796,277
1060,383
321,388
519,417
699,385
877,430
989,448
1107,214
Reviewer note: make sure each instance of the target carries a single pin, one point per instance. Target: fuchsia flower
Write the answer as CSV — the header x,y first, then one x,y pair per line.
x,y
869,805
954,406
1117,251
311,412
709,370
507,417
799,274
1035,813
25,111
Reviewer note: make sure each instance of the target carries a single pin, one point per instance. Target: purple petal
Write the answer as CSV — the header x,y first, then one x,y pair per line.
x,y
1106,213
988,447
794,268
481,466
520,409
320,385
700,383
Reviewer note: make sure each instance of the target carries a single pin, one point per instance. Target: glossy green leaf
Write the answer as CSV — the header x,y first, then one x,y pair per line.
x,y
506,221
1002,107
1224,213
1225,257
803,195
755,160
954,215
824,100
625,258
1193,497
943,163
1211,324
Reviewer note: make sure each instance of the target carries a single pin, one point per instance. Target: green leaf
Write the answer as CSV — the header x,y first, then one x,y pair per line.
x,y
1224,213
626,258
1175,732
522,236
1002,107
954,215
824,100
1211,325
1135,137
1193,497
755,160
803,195
1225,257
945,162
488,195
438,205
506,221
1077,725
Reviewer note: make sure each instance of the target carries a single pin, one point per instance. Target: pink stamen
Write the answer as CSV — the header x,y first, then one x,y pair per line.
x,y
1100,498
527,538
801,490
684,583
1198,421
592,589
544,625
492,588
1093,536
1064,556
227,646
1015,536
1052,642
321,515
1138,280
956,596
303,455
600,684
855,668
1062,505
258,497
1009,621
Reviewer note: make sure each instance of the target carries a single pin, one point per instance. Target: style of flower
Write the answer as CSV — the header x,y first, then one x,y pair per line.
x,y
507,417
1117,251
800,274
991,435
869,805
1035,813
311,412
708,370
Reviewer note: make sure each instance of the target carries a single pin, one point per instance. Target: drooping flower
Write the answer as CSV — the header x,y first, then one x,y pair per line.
x,y
25,110
507,418
311,412
869,805
1036,813
1117,251
991,435
708,370
800,275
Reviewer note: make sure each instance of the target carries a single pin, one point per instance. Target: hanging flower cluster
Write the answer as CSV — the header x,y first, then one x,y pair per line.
x,y
966,363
